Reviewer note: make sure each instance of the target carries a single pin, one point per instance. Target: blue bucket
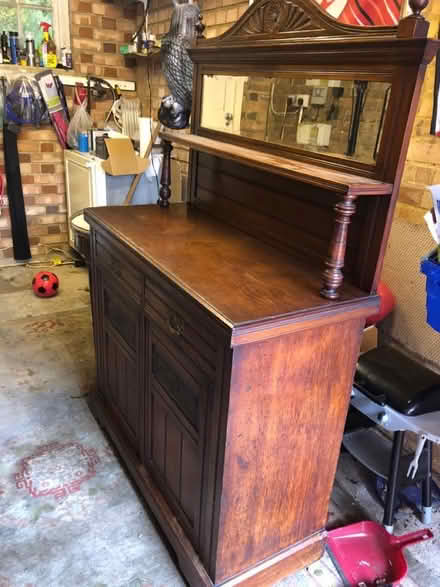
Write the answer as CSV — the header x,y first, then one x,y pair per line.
x,y
431,268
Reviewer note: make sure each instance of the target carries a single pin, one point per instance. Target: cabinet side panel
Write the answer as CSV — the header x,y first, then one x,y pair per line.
x,y
287,408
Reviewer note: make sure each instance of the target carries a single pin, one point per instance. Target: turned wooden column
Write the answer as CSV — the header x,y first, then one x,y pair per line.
x,y
200,27
333,276
165,178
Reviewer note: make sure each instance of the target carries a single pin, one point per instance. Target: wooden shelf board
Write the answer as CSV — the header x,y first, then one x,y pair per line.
x,y
337,181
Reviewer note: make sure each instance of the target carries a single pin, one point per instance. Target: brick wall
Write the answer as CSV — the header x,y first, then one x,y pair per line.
x,y
218,17
264,114
98,29
423,161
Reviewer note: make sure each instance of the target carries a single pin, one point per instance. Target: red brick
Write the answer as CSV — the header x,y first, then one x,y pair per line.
x,y
86,58
130,11
31,189
109,48
85,33
51,189
108,23
98,8
27,179
28,146
84,7
48,169
47,147
110,72
113,11
37,229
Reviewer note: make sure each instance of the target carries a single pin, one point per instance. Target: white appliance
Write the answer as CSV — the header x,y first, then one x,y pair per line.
x,y
87,184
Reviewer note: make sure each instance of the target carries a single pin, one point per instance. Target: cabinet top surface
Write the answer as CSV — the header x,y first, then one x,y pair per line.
x,y
238,278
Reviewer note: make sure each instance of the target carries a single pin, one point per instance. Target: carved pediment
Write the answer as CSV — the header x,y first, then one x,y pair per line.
x,y
276,16
294,18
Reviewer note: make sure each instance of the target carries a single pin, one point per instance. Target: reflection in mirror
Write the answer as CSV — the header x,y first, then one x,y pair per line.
x,y
343,118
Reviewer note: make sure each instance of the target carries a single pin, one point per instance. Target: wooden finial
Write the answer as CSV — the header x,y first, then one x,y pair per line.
x,y
414,26
417,6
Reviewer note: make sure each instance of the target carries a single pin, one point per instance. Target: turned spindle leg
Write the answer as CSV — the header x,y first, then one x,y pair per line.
x,y
333,276
165,178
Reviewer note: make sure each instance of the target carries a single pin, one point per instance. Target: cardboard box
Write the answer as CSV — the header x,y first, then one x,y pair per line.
x,y
369,339
122,160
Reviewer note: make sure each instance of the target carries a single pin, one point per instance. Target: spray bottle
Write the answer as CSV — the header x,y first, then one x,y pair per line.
x,y
48,49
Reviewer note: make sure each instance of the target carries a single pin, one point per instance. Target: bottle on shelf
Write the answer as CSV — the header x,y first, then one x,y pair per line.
x,y
13,47
4,42
48,49
30,51
23,58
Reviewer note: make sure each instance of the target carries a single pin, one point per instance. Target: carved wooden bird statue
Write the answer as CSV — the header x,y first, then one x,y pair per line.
x,y
177,66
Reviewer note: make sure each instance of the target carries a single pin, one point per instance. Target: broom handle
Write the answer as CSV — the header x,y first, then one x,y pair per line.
x,y
137,178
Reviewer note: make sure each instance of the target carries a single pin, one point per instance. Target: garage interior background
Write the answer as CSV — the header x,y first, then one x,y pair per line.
x,y
99,27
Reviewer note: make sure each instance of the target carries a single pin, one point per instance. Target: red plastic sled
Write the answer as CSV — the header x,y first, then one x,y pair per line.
x,y
366,555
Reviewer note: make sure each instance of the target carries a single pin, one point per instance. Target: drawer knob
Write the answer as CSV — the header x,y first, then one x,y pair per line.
x,y
175,324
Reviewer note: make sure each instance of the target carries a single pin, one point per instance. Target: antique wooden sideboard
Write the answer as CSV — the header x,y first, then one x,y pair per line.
x,y
227,328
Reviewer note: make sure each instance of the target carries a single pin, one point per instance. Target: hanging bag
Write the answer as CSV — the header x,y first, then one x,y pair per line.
x,y
81,122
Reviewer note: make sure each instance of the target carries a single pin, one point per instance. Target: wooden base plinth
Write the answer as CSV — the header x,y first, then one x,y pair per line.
x,y
282,565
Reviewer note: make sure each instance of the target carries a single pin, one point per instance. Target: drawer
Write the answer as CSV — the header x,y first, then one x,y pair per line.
x,y
186,323
119,266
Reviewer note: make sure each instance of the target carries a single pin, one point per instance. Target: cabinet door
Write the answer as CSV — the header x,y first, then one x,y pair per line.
x,y
175,428
121,389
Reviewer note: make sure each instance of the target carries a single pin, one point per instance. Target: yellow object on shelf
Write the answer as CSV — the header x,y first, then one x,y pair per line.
x,y
48,49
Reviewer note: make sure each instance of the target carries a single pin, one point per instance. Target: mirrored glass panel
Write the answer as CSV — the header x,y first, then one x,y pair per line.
x,y
343,118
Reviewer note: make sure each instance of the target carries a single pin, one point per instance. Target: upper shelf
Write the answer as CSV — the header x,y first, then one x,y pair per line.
x,y
337,181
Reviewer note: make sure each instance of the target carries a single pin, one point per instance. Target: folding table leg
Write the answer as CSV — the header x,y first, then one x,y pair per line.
x,y
393,478
427,487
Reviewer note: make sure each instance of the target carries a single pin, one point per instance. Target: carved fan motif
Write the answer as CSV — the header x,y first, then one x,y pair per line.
x,y
275,16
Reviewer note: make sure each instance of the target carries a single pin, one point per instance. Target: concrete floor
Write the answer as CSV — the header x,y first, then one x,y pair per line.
x,y
63,493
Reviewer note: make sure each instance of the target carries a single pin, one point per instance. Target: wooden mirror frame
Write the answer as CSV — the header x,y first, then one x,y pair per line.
x,y
298,37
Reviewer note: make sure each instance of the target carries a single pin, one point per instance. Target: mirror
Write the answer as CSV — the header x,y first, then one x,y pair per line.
x,y
342,118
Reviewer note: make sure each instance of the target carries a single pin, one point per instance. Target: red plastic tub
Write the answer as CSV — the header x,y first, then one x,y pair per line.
x,y
366,555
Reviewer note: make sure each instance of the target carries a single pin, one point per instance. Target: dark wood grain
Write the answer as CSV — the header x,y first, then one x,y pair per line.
x,y
223,376
282,393
165,178
187,246
292,217
333,276
295,170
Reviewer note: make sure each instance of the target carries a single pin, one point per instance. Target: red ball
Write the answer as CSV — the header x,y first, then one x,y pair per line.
x,y
45,284
387,303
